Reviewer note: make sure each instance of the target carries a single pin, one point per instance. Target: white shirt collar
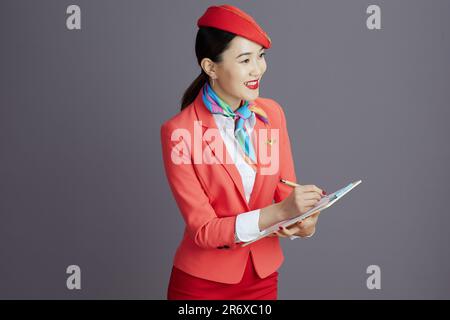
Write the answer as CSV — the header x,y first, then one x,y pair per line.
x,y
224,122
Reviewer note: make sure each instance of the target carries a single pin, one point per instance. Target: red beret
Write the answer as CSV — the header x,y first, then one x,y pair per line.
x,y
234,20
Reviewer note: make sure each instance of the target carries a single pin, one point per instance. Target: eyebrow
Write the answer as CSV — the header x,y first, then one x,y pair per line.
x,y
246,53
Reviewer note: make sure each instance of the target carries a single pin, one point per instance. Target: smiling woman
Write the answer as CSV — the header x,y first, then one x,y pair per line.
x,y
230,48
225,204
239,72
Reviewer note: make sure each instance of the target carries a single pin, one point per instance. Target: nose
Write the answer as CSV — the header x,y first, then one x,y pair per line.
x,y
257,70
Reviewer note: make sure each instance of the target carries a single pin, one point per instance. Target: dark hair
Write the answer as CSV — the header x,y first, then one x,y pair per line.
x,y
209,43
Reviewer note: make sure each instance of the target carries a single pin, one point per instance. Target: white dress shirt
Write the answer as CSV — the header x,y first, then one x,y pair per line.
x,y
247,223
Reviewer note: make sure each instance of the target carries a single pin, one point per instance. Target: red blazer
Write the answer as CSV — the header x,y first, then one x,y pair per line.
x,y
210,196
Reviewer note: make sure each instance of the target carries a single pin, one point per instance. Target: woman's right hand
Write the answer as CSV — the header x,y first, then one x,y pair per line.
x,y
301,199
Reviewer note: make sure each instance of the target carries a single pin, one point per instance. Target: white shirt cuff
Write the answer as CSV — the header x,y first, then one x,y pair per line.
x,y
247,226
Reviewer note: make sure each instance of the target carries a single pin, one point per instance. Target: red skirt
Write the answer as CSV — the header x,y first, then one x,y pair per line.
x,y
183,286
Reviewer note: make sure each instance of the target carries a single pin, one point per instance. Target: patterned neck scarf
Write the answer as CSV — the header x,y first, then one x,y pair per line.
x,y
241,115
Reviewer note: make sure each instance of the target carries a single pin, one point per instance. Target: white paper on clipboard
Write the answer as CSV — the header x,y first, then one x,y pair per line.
x,y
324,203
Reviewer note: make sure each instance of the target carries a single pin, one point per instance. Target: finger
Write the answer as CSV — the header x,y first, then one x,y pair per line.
x,y
309,221
281,232
273,234
286,231
311,195
293,228
281,235
315,215
310,203
307,225
308,208
312,187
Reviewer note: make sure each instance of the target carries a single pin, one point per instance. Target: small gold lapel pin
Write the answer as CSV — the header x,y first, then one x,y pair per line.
x,y
269,141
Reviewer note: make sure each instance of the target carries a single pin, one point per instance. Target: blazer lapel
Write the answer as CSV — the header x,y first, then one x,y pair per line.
x,y
258,178
208,121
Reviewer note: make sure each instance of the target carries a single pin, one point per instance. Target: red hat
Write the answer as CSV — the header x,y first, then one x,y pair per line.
x,y
234,20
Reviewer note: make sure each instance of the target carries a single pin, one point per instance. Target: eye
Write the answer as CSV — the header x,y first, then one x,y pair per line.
x,y
248,60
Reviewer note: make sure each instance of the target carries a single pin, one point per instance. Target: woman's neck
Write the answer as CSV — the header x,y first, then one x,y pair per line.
x,y
232,102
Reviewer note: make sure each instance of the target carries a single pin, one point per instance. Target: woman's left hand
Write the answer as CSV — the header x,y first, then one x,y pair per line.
x,y
301,228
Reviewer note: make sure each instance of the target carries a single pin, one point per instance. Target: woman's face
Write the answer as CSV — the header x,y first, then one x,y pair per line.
x,y
241,63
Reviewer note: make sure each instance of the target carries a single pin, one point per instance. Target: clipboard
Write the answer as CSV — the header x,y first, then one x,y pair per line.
x,y
325,202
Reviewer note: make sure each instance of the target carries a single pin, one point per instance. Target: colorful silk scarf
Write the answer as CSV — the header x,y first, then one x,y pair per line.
x,y
241,115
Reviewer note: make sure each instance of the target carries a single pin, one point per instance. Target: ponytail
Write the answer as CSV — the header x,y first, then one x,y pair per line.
x,y
191,93
209,43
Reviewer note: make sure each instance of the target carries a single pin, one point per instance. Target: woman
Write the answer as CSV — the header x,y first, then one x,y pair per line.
x,y
225,203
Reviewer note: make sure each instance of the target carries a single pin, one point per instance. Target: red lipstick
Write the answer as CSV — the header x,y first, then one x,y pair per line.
x,y
253,85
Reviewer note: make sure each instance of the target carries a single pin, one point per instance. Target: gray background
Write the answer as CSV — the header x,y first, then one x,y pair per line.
x,y
81,173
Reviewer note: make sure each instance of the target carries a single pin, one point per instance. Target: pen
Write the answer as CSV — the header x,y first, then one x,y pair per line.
x,y
290,183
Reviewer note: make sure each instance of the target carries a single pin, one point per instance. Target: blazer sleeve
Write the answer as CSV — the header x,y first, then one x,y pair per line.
x,y
287,168
207,230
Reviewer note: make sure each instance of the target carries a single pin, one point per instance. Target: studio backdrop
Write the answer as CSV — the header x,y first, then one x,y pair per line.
x,y
86,85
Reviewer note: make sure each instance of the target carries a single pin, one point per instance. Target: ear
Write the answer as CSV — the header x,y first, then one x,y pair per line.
x,y
209,67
